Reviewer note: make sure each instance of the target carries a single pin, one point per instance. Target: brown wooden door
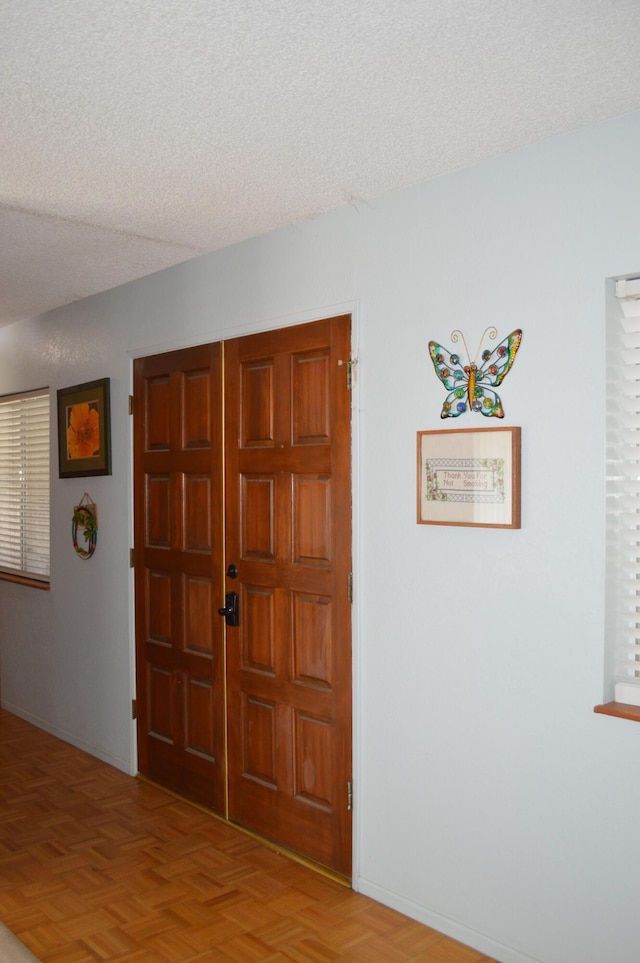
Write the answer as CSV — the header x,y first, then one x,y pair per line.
x,y
287,427
288,531
178,537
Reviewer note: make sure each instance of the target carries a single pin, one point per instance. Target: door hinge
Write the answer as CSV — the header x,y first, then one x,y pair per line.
x,y
134,708
349,366
349,796
131,557
130,404
350,587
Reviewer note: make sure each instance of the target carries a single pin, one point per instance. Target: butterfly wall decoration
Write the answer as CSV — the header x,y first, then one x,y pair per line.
x,y
471,386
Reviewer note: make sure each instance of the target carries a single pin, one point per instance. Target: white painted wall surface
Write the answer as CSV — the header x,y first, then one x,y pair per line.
x,y
490,801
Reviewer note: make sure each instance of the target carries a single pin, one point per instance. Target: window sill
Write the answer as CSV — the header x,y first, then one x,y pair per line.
x,y
25,580
619,709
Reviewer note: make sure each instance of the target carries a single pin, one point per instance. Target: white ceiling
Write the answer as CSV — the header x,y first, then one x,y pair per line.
x,y
135,134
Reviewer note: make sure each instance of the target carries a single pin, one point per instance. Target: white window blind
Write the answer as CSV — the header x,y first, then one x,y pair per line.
x,y
24,484
623,493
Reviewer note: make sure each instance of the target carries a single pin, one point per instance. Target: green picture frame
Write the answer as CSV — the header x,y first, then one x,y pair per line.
x,y
84,429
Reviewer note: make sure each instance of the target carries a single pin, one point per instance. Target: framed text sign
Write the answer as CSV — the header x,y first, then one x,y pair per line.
x,y
469,476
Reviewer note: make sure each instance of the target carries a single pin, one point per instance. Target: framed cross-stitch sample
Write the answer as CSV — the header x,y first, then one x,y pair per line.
x,y
469,476
84,429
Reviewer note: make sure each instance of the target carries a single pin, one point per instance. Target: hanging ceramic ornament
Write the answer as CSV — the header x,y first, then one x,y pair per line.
x,y
84,527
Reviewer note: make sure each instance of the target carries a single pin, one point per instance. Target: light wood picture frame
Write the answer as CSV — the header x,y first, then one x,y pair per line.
x,y
469,476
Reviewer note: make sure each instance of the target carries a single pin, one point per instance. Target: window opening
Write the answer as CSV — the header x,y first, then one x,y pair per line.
x,y
24,485
623,489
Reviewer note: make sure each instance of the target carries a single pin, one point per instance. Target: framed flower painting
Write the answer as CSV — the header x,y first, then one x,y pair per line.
x,y
84,429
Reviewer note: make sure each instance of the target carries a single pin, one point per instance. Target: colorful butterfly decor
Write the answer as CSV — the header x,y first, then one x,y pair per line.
x,y
471,386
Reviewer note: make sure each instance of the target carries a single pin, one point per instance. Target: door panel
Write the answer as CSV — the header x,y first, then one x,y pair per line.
x,y
178,533
288,521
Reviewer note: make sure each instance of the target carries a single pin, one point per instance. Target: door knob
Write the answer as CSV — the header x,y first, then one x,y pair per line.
x,y
231,610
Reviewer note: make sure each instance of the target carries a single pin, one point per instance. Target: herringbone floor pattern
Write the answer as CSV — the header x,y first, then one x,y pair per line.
x,y
95,865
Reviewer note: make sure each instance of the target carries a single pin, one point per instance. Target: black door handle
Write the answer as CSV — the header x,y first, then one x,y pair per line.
x,y
231,610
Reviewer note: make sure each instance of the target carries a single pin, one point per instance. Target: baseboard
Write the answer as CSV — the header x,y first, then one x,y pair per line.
x,y
444,924
70,737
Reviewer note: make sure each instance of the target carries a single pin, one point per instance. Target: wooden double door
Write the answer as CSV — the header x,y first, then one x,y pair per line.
x,y
242,497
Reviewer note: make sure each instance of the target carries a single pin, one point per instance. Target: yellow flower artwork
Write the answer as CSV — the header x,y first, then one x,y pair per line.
x,y
83,430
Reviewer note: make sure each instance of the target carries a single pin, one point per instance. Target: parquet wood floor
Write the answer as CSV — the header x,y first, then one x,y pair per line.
x,y
95,865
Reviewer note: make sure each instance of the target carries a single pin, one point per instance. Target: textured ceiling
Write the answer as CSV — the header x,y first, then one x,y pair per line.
x,y
135,134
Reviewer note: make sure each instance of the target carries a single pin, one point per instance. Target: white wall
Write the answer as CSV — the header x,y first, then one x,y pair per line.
x,y
490,801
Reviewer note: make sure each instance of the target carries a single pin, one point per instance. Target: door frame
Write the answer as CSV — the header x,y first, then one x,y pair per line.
x,y
227,333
